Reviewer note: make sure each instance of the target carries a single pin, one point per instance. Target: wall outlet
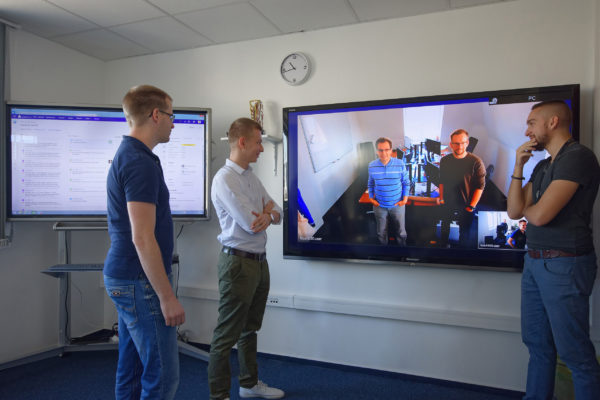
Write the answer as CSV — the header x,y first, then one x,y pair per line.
x,y
273,301
280,301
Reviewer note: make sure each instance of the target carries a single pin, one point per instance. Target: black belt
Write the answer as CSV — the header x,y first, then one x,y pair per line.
x,y
549,254
245,254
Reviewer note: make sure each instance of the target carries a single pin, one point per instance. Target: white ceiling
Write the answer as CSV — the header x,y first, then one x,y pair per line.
x,y
113,29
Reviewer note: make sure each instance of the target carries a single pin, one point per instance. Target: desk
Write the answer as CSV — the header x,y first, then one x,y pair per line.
x,y
412,200
421,223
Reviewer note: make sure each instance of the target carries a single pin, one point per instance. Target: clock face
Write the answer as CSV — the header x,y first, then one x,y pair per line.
x,y
295,68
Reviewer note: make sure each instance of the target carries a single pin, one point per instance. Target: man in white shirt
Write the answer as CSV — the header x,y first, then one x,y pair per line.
x,y
245,211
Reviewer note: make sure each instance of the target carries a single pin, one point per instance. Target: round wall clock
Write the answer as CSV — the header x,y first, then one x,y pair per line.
x,y
295,68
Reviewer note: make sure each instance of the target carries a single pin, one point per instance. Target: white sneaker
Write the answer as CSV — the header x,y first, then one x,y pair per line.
x,y
263,390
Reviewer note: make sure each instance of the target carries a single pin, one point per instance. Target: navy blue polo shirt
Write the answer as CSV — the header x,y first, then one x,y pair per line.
x,y
135,174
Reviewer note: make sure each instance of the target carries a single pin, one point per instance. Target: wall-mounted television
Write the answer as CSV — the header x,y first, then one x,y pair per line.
x,y
59,155
327,211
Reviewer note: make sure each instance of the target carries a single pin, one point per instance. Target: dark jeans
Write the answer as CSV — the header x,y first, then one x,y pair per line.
x,y
464,219
397,219
243,291
555,297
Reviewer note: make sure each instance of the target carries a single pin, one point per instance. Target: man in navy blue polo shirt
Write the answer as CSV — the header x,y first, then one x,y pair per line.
x,y
138,264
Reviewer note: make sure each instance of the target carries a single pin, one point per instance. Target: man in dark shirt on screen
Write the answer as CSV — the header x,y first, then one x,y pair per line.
x,y
462,180
518,238
560,265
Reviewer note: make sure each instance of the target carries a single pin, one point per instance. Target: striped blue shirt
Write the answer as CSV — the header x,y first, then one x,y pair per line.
x,y
388,184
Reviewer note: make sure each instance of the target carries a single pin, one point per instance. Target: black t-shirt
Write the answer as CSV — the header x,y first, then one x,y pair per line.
x,y
570,230
460,177
519,238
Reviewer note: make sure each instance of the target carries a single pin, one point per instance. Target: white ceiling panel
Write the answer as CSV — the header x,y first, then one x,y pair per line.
x,y
368,10
180,6
102,44
110,12
135,27
41,18
230,23
293,16
151,34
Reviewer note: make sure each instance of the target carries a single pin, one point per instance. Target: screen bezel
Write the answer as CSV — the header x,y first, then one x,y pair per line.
x,y
490,259
100,217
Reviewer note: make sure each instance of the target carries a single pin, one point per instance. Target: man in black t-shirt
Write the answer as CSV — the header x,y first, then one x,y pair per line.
x,y
560,265
462,179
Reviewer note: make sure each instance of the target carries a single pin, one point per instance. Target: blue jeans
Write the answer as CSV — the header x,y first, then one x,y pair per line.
x,y
148,366
381,219
555,316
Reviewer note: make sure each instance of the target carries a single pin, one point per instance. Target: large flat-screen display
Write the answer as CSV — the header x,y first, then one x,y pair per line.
x,y
332,164
58,160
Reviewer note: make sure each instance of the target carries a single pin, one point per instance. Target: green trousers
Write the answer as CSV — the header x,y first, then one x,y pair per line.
x,y
243,291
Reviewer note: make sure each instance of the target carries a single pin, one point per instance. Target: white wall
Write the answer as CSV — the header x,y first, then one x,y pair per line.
x,y
507,45
41,71
458,325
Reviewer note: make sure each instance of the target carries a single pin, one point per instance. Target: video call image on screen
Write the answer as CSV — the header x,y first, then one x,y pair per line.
x,y
60,159
334,149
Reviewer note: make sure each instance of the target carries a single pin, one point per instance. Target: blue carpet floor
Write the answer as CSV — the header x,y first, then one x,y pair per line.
x,y
90,376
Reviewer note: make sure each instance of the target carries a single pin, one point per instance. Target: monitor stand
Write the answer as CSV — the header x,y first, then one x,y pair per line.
x,y
62,272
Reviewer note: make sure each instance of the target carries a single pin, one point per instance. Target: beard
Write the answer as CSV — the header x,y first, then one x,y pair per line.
x,y
541,140
539,147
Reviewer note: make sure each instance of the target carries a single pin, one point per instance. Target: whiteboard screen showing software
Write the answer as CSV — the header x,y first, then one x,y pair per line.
x,y
60,156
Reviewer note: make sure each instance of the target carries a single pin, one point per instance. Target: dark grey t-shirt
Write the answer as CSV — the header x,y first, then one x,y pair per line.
x,y
570,230
461,177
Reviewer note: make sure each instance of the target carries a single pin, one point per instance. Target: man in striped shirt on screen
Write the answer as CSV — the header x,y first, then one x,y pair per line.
x,y
388,191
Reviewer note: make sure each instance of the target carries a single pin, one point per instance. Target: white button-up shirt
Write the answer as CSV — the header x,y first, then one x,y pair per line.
x,y
236,193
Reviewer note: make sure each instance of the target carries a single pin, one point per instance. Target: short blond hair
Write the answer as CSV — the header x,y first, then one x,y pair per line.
x,y
140,101
242,127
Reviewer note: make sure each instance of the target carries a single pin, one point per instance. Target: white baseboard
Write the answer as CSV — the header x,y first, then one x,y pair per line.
x,y
498,322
